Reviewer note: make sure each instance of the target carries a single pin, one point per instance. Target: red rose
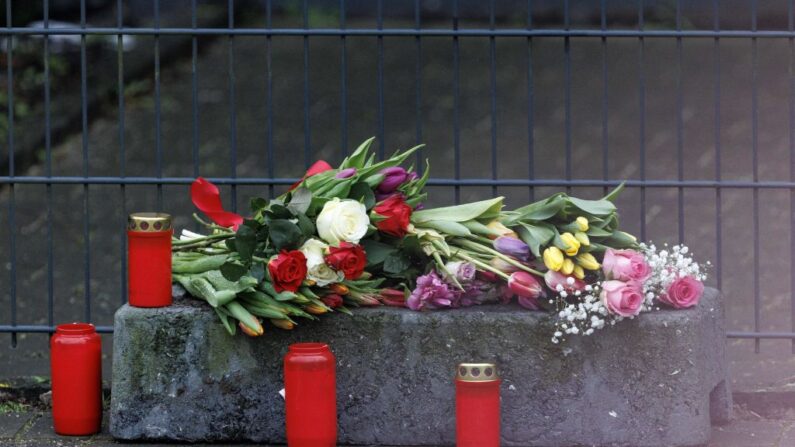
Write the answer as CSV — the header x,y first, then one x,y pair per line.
x,y
332,300
397,214
348,258
287,270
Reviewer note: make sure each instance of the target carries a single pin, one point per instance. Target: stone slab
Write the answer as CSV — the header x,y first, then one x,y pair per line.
x,y
178,376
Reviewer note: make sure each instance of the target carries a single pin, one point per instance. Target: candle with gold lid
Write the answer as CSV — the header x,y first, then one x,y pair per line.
x,y
477,405
149,259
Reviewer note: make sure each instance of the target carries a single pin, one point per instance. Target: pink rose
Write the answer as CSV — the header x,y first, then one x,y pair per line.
x,y
683,292
625,265
621,298
555,279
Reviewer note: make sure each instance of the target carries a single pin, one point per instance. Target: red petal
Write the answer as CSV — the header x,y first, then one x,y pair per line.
x,y
318,167
207,198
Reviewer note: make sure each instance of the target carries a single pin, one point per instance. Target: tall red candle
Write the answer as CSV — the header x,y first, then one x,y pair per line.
x,y
310,396
76,374
149,259
477,405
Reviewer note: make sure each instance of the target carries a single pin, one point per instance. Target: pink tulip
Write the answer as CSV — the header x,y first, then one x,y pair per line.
x,y
527,288
683,293
625,265
620,298
569,283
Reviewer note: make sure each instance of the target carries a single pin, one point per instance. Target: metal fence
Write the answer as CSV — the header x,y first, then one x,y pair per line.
x,y
603,33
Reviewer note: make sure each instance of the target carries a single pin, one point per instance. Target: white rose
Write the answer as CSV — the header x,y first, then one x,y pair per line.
x,y
342,220
317,269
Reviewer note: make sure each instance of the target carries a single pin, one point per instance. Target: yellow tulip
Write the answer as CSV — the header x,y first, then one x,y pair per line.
x,y
587,261
568,266
583,238
250,331
553,258
314,309
572,244
283,323
500,230
579,273
582,223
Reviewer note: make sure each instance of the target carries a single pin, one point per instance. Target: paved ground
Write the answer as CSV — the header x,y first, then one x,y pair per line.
x,y
34,429
98,282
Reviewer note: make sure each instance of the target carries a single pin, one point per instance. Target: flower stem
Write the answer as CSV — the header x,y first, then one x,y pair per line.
x,y
508,259
182,242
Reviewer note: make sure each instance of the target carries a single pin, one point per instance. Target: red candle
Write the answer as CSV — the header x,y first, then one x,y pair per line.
x,y
76,371
310,396
477,405
149,259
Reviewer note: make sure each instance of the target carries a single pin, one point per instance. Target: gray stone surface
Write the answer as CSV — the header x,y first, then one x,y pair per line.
x,y
177,375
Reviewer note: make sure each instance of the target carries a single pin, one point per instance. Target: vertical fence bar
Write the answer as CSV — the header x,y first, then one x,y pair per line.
x,y
530,101
381,130
158,145
418,86
642,117
86,213
48,167
680,142
718,191
456,106
605,91
194,91
343,83
12,227
493,88
269,94
790,28
567,91
755,165
232,109
122,149
307,131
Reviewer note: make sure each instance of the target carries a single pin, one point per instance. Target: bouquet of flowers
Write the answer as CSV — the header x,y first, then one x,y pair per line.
x,y
357,235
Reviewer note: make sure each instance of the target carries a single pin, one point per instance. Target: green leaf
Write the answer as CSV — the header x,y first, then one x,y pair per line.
x,y
246,240
257,271
258,204
597,232
376,251
485,209
396,263
223,315
540,210
393,161
614,193
284,234
448,227
306,225
358,157
362,192
300,200
621,239
233,271
276,211
595,207
536,235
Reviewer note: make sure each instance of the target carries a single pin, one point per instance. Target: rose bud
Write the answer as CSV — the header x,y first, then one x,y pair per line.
x,y
570,284
315,309
346,173
393,177
332,300
283,323
393,297
524,284
512,247
339,289
251,332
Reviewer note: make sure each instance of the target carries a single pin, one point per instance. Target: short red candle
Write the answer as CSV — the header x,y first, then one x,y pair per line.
x,y
477,405
149,259
76,374
310,396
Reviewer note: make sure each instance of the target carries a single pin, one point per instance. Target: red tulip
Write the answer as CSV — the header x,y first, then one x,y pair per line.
x,y
318,167
207,198
527,288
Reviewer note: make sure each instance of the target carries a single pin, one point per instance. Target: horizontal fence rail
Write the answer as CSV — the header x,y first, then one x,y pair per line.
x,y
418,34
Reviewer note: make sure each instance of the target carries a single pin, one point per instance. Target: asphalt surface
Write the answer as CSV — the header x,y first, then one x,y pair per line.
x,y
257,153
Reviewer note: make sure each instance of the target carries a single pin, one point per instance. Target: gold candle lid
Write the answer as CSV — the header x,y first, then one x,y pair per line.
x,y
477,372
149,222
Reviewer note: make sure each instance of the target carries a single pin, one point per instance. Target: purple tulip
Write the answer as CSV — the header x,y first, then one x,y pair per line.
x,y
393,177
346,173
512,247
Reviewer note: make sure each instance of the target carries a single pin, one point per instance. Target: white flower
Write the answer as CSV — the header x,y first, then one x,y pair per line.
x,y
342,220
317,269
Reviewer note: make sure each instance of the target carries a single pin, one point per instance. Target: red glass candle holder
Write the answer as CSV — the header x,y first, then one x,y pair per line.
x,y
310,395
76,374
477,405
149,259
